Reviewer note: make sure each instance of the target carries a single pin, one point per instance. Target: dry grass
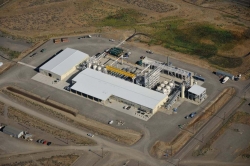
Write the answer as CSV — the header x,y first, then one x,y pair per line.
x,y
58,160
124,136
1,108
28,120
160,147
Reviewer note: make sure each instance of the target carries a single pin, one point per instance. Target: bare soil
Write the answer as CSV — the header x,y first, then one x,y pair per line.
x,y
28,120
58,160
161,147
238,117
124,136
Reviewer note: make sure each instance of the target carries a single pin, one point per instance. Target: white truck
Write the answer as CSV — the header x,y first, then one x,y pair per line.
x,y
225,79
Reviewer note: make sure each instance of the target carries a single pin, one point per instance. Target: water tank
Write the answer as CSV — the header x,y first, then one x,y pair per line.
x,y
89,65
104,70
159,88
162,85
168,87
183,91
171,84
164,91
191,81
99,68
94,67
165,82
195,82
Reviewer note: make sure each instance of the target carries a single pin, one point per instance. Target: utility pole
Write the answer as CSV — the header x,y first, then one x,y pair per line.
x,y
102,152
202,138
171,150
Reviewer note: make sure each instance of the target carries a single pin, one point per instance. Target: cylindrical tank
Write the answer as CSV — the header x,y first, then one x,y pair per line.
x,y
191,81
165,82
159,88
94,67
183,91
168,87
104,70
171,84
195,82
162,85
89,65
99,68
164,91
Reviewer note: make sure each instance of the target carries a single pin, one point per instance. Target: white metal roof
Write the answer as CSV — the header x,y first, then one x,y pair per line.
x,y
102,86
64,61
196,89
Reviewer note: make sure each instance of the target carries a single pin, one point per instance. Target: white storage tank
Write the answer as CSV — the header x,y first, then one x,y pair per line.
x,y
159,88
104,70
183,90
168,87
165,82
89,65
99,68
164,91
94,67
162,85
171,84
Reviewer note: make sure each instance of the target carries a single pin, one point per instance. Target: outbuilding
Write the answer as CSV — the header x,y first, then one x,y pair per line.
x,y
63,64
197,93
14,132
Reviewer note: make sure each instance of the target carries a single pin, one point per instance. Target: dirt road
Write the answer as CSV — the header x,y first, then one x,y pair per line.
x,y
130,152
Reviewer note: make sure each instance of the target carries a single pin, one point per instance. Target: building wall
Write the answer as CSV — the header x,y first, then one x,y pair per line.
x,y
60,77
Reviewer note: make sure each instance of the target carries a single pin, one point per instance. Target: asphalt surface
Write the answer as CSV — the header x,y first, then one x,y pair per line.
x,y
159,127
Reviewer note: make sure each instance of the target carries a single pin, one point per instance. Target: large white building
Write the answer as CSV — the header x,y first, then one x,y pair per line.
x,y
63,64
100,87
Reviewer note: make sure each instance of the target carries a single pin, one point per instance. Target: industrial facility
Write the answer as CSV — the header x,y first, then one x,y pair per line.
x,y
106,77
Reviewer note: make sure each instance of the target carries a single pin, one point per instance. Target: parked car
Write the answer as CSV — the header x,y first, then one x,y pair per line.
x,y
192,114
44,142
111,122
186,117
90,135
33,54
48,143
87,36
149,51
107,50
112,40
125,107
43,50
38,141
128,107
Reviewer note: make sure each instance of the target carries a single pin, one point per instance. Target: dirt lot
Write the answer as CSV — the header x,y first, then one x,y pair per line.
x,y
238,118
160,19
125,136
160,147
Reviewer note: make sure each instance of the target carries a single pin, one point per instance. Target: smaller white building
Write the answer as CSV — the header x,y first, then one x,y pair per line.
x,y
197,93
63,64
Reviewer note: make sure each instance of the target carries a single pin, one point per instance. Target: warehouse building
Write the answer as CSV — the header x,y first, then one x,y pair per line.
x,y
63,64
12,131
101,87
